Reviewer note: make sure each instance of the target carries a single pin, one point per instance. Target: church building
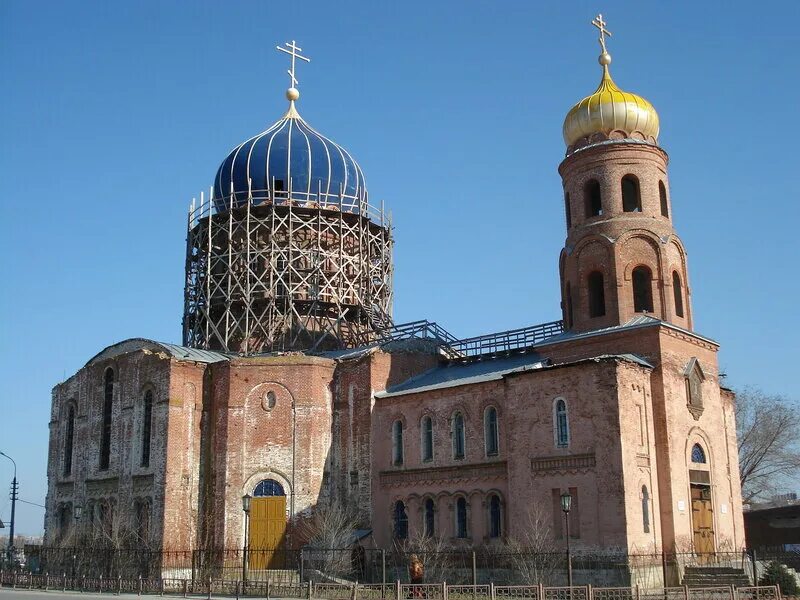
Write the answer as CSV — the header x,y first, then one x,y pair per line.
x,y
294,389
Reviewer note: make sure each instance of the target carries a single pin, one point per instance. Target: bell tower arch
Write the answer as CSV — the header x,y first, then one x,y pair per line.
x,y
622,257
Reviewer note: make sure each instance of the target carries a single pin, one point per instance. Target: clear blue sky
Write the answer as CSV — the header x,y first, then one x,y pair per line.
x,y
114,115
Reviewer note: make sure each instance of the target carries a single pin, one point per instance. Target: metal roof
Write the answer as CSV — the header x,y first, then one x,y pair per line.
x,y
488,369
456,374
637,322
173,350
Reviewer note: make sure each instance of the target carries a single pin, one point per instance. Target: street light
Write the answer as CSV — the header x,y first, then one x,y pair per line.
x,y
77,513
566,505
14,489
246,508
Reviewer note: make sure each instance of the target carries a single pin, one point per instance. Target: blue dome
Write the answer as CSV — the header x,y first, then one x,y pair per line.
x,y
290,161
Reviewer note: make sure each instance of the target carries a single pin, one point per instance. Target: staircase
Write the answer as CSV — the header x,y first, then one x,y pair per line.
x,y
715,577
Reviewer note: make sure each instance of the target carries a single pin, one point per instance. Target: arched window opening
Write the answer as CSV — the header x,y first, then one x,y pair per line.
x,y
459,438
461,518
593,199
569,306
427,439
69,440
642,289
397,443
597,294
677,290
268,488
64,520
698,454
430,517
567,210
142,516
495,517
400,521
631,199
562,424
662,196
147,426
491,432
645,509
105,431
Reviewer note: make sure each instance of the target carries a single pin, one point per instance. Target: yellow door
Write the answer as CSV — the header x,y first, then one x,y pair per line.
x,y
702,520
267,530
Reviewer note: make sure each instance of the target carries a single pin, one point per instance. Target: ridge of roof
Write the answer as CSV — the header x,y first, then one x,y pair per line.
x,y
637,322
173,350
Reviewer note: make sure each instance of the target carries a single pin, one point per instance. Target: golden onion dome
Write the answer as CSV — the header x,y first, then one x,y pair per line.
x,y
610,109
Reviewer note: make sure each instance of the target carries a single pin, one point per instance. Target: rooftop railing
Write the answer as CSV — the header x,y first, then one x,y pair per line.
x,y
357,203
484,345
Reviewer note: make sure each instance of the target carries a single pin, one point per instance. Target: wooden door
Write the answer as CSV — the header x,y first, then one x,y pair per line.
x,y
267,530
702,520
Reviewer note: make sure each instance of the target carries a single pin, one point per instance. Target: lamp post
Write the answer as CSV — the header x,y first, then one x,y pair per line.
x,y
14,490
566,505
77,513
246,508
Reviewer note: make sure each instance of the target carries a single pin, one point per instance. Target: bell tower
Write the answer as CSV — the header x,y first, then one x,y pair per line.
x,y
622,257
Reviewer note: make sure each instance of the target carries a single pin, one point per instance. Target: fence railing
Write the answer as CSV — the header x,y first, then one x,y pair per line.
x,y
395,591
289,568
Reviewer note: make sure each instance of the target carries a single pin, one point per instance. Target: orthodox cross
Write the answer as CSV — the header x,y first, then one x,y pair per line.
x,y
293,51
601,25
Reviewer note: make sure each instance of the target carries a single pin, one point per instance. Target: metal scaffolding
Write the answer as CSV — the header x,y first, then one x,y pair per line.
x,y
284,270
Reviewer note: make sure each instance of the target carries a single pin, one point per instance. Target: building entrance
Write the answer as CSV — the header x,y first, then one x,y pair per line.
x,y
267,526
702,519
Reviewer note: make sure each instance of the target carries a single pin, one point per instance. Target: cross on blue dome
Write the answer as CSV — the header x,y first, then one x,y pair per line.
x,y
290,161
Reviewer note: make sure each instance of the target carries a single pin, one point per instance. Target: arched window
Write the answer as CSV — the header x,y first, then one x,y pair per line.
x,y
561,422
569,306
490,431
461,517
645,509
268,488
698,454
677,290
631,199
495,517
397,443
642,289
597,294
69,439
662,196
105,431
593,199
147,427
400,521
427,439
142,509
568,210
430,517
64,520
459,438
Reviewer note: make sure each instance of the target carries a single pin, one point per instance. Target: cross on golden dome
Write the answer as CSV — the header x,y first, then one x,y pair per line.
x,y
601,25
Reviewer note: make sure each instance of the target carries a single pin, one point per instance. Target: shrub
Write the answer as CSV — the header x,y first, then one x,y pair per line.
x,y
778,574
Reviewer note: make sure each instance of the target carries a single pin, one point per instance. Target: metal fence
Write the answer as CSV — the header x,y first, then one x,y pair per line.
x,y
376,566
396,591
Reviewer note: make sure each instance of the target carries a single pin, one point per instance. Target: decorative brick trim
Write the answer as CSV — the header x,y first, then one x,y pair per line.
x,y
561,464
460,473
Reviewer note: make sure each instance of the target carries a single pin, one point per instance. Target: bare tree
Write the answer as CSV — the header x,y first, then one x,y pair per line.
x,y
434,552
530,549
331,534
768,431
